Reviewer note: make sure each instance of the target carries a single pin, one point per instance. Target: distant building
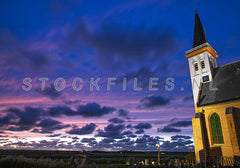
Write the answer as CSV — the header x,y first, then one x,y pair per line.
x,y
216,93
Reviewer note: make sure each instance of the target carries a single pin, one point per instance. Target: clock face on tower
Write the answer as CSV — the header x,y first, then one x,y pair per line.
x,y
205,78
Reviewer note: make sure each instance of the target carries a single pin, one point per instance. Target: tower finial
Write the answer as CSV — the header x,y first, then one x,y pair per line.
x,y
196,5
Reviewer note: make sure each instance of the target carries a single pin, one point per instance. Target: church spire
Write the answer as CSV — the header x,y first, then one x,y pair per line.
x,y
199,34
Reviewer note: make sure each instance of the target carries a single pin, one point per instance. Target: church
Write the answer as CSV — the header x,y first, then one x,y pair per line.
x,y
216,94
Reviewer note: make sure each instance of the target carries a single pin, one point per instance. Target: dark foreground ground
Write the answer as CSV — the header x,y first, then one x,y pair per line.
x,y
100,159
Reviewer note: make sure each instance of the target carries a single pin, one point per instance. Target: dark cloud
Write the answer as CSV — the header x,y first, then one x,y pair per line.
x,y
147,142
107,140
125,140
15,55
103,145
132,136
7,120
169,129
154,101
75,137
165,121
42,131
116,128
173,120
37,59
92,143
54,135
143,126
118,47
49,125
19,128
21,120
112,131
144,142
87,129
60,126
88,110
116,120
40,121
50,129
94,110
87,140
140,131
142,139
178,143
127,132
50,92
159,122
48,122
129,126
124,144
180,124
61,110
28,116
122,113
176,137
45,145
70,102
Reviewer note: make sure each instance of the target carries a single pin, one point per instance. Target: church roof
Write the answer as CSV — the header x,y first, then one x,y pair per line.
x,y
199,36
225,85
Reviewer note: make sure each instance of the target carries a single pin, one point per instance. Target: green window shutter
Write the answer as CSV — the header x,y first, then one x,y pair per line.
x,y
216,129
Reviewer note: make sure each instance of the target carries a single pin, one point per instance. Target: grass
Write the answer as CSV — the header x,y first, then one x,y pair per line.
x,y
77,159
23,162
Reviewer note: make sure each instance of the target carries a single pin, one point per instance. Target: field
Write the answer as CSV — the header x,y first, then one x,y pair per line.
x,y
73,159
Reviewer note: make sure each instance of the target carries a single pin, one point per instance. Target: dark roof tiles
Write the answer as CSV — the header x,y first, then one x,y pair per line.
x,y
225,85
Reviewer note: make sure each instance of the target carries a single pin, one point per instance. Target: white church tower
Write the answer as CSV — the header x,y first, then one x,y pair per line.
x,y
201,58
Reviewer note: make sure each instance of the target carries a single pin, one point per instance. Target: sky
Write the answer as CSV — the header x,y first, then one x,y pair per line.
x,y
101,56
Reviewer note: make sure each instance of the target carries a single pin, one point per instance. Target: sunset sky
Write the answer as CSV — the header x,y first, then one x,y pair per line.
x,y
119,39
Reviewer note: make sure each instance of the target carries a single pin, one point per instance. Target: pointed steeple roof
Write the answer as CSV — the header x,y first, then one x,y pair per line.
x,y
199,34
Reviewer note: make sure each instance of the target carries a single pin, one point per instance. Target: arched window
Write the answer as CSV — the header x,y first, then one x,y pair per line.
x,y
216,129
